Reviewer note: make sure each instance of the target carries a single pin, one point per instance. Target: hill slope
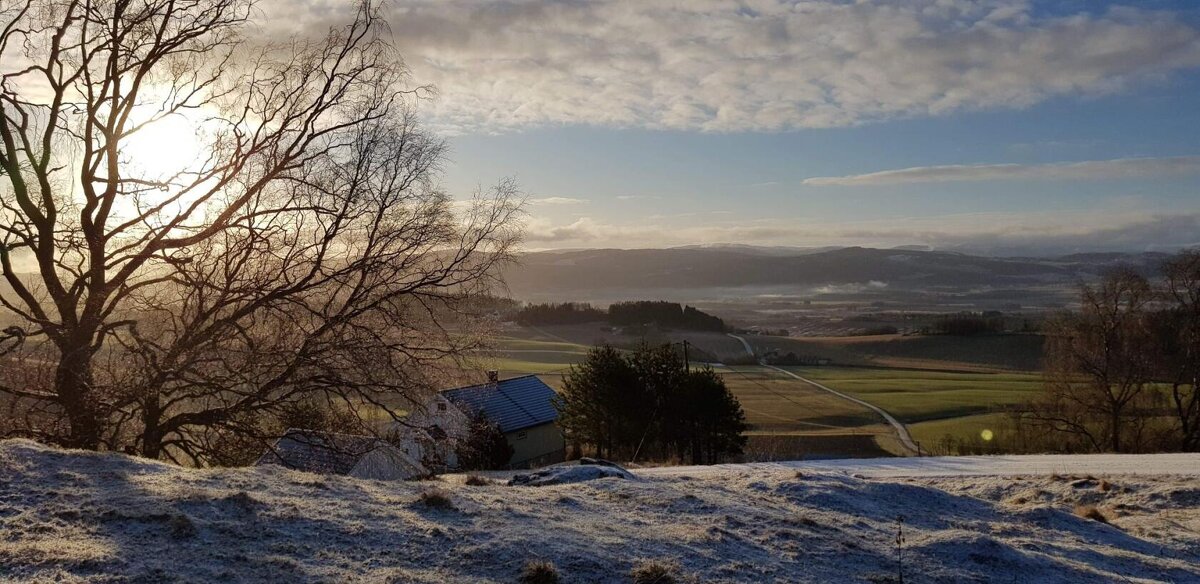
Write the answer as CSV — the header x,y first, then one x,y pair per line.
x,y
71,516
691,268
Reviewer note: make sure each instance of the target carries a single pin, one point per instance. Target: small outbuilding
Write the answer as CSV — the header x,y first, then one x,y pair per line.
x,y
523,408
363,457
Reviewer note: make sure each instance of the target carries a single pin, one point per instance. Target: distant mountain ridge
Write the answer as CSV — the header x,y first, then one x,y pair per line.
x,y
745,266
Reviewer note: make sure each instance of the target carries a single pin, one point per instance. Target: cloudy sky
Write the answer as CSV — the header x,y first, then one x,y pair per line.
x,y
1003,126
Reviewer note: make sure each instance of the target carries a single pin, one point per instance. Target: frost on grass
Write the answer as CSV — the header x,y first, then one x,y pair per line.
x,y
72,516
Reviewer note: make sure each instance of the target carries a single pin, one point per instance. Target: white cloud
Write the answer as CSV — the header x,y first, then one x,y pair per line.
x,y
1089,170
558,201
760,64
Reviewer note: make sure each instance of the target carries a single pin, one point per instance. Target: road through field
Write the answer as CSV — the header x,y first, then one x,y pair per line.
x,y
901,430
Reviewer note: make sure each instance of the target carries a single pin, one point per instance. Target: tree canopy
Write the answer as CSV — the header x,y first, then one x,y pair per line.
x,y
647,404
305,252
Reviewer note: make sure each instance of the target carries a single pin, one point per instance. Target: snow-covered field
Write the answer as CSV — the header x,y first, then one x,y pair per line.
x,y
73,516
961,466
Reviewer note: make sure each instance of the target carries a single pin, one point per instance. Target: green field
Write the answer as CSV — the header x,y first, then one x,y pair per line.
x,y
918,395
930,433
787,418
960,394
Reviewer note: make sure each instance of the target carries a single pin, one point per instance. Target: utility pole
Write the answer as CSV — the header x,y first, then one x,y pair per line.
x,y
687,363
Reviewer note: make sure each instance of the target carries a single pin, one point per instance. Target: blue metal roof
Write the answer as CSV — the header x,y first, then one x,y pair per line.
x,y
514,404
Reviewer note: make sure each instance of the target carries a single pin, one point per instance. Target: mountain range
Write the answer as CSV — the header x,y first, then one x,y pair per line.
x,y
696,267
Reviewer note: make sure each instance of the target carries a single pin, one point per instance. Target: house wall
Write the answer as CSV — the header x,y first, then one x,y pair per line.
x,y
537,446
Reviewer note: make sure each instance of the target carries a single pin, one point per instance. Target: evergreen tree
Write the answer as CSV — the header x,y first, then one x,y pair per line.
x,y
603,403
647,404
715,420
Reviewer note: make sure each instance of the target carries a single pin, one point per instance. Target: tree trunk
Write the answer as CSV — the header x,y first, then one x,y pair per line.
x,y
1116,430
73,385
152,434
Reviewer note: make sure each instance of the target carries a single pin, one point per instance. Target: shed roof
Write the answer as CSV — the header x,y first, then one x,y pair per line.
x,y
320,452
513,404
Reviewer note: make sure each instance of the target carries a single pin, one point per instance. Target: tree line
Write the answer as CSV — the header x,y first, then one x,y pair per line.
x,y
647,404
1122,373
631,313
560,313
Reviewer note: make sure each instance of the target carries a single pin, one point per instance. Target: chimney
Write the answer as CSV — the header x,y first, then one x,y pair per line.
x,y
493,377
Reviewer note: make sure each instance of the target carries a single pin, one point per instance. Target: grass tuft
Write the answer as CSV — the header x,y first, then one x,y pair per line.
x,y
181,527
436,499
539,572
655,572
1091,512
477,481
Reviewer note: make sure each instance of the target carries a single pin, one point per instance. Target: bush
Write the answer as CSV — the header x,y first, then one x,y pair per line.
x,y
436,499
477,481
655,572
539,572
485,447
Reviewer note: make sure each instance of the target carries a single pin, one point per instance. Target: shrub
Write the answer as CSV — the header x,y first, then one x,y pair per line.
x,y
181,526
436,499
477,481
655,572
485,447
1091,512
539,572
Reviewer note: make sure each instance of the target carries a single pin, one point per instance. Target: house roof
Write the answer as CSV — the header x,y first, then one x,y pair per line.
x,y
513,404
320,452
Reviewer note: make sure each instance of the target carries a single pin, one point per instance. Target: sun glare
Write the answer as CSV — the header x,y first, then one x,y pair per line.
x,y
165,147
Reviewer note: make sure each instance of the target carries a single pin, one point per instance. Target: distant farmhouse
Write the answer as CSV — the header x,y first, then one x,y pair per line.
x,y
524,409
424,442
361,457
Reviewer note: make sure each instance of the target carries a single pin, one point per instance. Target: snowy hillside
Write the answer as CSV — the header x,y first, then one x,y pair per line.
x,y
73,516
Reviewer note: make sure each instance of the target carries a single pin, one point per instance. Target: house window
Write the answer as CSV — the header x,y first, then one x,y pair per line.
x,y
521,435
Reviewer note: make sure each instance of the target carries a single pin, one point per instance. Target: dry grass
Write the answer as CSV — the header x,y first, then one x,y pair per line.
x,y
1091,512
436,499
476,481
655,572
539,572
1105,486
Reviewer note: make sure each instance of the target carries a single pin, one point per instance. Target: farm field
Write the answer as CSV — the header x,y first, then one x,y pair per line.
x,y
919,395
960,395
930,433
933,404
788,418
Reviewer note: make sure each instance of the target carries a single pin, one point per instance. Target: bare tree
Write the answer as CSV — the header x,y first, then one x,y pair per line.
x,y
1097,368
1177,352
307,252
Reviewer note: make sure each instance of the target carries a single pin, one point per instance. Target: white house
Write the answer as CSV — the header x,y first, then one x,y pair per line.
x,y
430,432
